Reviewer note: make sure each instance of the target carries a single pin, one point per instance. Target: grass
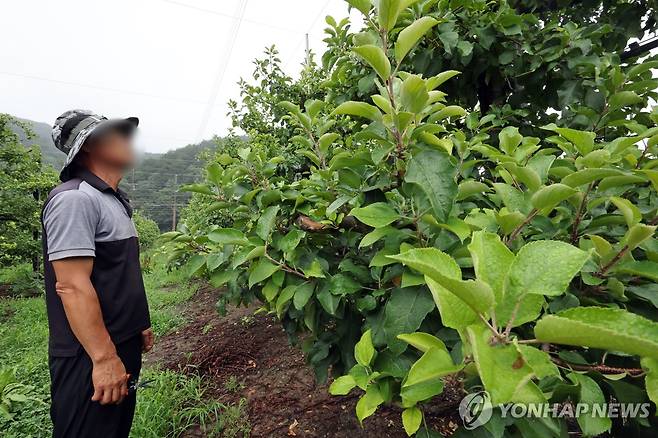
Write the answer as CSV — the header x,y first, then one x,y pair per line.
x,y
171,405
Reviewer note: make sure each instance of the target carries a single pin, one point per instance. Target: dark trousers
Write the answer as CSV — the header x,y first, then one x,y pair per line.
x,y
73,413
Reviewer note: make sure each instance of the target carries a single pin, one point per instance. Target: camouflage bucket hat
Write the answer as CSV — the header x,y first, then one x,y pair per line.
x,y
74,127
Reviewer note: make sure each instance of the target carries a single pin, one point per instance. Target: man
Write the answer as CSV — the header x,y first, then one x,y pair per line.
x,y
97,311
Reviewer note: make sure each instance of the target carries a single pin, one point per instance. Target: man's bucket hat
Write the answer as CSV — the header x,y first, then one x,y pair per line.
x,y
74,127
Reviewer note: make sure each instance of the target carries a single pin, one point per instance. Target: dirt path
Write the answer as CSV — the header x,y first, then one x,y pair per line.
x,y
253,353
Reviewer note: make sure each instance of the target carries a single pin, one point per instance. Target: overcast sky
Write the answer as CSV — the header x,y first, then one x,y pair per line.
x,y
159,60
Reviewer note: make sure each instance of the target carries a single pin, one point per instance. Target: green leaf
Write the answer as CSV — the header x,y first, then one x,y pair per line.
x,y
637,234
446,112
539,361
266,222
342,385
261,270
411,395
364,351
582,140
491,259
644,268
547,198
413,94
429,261
202,189
405,310
376,215
228,236
604,328
477,294
650,366
302,294
631,213
214,260
436,81
423,341
328,301
290,241
502,369
434,363
359,109
411,420
388,11
509,139
377,59
327,140
410,36
368,404
454,312
284,297
214,171
196,262
514,200
544,267
434,174
467,189
314,270
587,176
590,395
375,235
362,5
220,278
623,99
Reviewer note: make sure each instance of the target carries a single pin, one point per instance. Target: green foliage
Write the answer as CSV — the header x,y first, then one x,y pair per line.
x,y
469,227
171,404
147,230
24,186
21,280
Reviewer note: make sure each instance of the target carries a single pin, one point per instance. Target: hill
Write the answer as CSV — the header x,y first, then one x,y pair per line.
x,y
51,155
152,186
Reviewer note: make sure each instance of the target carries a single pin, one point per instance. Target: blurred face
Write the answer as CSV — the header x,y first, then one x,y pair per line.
x,y
113,149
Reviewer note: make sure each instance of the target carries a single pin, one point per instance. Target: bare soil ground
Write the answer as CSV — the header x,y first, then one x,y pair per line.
x,y
282,397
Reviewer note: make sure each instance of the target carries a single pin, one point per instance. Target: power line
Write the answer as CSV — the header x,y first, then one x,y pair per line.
x,y
223,14
222,69
97,87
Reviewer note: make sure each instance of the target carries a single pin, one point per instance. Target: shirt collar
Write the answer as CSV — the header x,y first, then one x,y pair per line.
x,y
90,178
93,180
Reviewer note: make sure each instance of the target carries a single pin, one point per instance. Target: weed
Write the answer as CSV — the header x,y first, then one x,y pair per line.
x,y
206,328
172,404
247,320
233,384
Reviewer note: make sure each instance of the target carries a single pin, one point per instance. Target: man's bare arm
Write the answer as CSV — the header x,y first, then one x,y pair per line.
x,y
84,314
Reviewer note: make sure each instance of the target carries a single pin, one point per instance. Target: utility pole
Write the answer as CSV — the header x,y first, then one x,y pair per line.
x,y
308,52
173,212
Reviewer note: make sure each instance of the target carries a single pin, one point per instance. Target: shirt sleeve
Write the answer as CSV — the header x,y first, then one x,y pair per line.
x,y
70,220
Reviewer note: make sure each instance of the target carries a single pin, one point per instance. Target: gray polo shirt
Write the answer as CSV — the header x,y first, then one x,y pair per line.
x,y
85,217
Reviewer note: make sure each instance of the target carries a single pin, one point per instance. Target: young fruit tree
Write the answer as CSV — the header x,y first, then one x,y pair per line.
x,y
462,197
24,183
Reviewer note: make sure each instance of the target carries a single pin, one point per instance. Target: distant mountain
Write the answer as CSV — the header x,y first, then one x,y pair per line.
x,y
152,187
51,155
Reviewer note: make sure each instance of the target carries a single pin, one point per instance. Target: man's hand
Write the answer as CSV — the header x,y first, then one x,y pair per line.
x,y
147,340
110,381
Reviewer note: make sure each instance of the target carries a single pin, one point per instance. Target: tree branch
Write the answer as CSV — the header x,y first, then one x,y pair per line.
x,y
514,234
604,369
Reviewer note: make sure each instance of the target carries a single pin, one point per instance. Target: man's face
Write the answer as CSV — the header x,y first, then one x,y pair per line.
x,y
114,149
